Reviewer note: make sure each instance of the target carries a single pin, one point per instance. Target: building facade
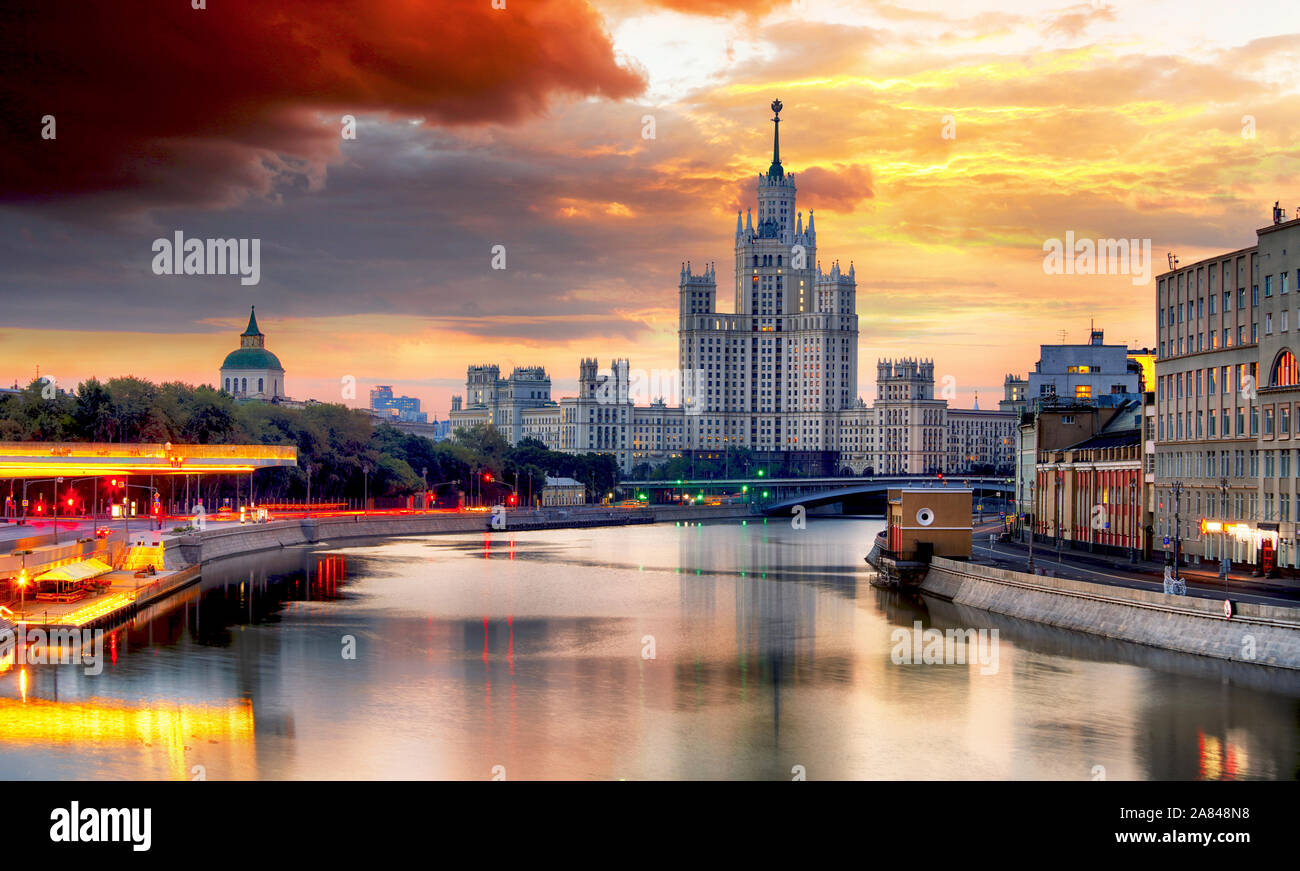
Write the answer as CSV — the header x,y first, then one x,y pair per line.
x,y
1227,397
1082,372
1092,493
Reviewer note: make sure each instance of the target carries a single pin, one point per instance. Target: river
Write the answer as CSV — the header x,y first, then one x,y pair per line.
x,y
728,650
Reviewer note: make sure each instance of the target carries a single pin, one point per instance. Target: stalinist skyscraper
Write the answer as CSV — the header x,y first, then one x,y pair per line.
x,y
772,374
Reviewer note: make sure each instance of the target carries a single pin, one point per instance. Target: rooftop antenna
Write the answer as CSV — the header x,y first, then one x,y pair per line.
x,y
1173,261
1062,332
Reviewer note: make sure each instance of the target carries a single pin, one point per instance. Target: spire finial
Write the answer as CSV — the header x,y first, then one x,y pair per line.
x,y
775,170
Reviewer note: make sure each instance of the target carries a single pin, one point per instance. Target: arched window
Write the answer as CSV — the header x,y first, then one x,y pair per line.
x,y
260,388
755,259
244,388
778,260
1285,371
227,385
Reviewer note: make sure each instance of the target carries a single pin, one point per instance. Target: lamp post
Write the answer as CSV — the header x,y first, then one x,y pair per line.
x,y
1058,500
1033,503
1178,525
1133,523
1225,561
22,587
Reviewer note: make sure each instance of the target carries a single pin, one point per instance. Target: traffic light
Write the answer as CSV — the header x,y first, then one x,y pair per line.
x,y
487,476
513,498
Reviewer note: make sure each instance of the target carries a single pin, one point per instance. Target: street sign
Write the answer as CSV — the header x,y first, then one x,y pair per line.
x,y
1166,541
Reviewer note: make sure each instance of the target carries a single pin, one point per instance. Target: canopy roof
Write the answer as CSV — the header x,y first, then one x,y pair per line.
x,y
73,572
88,459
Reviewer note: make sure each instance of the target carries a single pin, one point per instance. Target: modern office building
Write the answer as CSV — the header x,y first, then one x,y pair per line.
x,y
397,408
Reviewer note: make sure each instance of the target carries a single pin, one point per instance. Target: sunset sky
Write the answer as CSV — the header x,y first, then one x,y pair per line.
x,y
523,127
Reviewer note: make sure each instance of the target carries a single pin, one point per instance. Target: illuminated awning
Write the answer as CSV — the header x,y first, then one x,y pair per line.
x,y
88,459
74,572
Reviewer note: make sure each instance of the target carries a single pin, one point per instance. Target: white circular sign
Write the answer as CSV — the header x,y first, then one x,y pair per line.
x,y
925,516
1227,608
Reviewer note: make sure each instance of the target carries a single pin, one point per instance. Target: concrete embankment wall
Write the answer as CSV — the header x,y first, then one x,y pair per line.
x,y
201,547
1262,634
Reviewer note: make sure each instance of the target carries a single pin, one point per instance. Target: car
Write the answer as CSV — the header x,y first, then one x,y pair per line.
x,y
103,532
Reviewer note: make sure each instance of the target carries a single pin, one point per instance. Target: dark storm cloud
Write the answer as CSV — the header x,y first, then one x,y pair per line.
x,y
162,104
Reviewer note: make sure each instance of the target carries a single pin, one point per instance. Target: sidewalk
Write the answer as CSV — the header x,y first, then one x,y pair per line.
x,y
1202,580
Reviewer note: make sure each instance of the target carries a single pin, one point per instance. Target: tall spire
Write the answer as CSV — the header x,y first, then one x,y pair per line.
x,y
252,337
775,170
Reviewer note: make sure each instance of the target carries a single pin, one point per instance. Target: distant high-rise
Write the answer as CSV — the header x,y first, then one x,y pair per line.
x,y
402,408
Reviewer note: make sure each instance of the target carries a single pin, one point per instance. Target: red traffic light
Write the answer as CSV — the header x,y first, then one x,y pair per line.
x,y
513,499
487,476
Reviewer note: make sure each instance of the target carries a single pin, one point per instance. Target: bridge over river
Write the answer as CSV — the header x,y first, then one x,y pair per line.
x,y
778,496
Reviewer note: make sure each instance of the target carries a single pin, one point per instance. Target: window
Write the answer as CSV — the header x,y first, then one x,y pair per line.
x,y
1285,372
1284,420
1268,286
260,387
1083,391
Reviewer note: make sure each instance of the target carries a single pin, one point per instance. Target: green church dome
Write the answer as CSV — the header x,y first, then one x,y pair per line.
x,y
251,358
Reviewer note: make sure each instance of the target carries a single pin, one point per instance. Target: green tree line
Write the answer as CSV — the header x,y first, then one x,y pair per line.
x,y
347,455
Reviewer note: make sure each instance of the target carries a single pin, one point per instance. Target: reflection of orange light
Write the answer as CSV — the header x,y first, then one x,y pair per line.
x,y
103,721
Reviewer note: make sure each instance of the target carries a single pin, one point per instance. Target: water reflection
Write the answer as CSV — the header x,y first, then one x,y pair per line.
x,y
712,651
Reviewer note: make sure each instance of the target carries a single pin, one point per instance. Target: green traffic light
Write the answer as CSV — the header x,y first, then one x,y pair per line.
x,y
764,494
760,473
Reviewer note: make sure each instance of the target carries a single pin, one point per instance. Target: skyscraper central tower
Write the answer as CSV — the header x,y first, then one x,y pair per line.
x,y
772,374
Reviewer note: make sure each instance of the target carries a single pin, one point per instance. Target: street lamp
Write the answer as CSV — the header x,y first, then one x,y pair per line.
x,y
1178,524
1133,522
1057,502
1033,521
22,589
1225,561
